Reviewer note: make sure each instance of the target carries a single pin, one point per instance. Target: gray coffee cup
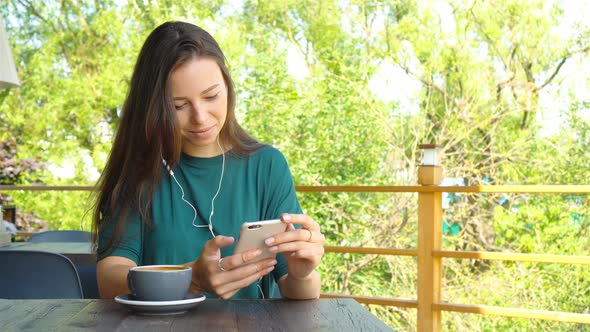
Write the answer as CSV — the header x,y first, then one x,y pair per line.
x,y
159,282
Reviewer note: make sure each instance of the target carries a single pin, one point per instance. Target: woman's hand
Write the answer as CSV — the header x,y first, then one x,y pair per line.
x,y
303,248
226,276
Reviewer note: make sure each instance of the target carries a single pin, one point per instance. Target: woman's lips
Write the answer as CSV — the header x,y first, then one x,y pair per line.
x,y
202,133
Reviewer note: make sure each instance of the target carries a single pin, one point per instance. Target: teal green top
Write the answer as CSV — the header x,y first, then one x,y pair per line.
x,y
256,187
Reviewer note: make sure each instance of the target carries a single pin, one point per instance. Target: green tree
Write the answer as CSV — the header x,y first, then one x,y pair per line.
x,y
483,68
75,60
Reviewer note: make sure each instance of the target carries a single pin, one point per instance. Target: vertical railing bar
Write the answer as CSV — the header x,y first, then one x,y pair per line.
x,y
429,241
429,266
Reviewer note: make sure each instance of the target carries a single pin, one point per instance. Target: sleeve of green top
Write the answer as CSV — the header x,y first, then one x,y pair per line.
x,y
129,245
281,196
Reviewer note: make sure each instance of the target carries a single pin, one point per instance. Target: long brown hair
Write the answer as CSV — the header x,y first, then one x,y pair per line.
x,y
148,130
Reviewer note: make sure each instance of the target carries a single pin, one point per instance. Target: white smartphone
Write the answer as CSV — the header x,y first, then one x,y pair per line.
x,y
253,234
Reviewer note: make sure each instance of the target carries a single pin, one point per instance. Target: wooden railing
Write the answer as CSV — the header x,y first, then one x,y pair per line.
x,y
429,303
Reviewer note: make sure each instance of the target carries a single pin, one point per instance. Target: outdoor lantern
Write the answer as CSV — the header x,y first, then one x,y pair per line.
x,y
430,154
8,75
430,171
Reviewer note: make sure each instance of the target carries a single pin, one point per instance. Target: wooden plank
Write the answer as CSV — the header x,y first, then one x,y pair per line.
x,y
540,189
383,189
211,315
25,235
530,189
429,267
37,315
107,315
372,251
515,312
505,256
384,301
46,188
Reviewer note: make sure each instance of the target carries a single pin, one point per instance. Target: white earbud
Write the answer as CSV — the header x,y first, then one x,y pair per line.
x,y
167,167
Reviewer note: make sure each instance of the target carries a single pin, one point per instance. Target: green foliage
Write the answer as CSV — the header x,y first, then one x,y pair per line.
x,y
546,224
14,171
483,69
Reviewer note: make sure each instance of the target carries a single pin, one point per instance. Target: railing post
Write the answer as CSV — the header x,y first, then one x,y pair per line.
x,y
429,239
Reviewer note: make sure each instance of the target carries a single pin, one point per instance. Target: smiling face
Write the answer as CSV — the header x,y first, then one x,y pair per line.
x,y
200,99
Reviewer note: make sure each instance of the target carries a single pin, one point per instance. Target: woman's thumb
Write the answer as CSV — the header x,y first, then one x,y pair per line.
x,y
219,241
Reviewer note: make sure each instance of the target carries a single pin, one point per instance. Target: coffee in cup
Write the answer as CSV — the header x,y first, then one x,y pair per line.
x,y
159,282
160,268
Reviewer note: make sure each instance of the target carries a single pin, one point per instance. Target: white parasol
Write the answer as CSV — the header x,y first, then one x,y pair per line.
x,y
8,75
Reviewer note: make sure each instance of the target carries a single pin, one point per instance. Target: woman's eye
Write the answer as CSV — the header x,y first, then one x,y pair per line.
x,y
212,97
178,107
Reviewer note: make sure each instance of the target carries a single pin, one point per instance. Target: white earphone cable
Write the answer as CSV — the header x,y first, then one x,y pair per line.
x,y
210,224
218,187
187,202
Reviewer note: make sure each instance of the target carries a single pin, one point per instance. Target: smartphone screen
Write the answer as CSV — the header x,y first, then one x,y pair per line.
x,y
253,234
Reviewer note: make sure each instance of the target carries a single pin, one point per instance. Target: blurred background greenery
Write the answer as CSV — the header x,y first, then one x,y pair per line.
x,y
346,90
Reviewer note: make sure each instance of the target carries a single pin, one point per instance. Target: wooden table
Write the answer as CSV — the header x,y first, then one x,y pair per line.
x,y
341,315
80,253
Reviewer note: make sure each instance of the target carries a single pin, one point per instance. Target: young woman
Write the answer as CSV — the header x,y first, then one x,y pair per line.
x,y
183,176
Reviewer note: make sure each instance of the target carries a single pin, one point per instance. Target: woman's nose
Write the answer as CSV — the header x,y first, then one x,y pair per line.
x,y
197,114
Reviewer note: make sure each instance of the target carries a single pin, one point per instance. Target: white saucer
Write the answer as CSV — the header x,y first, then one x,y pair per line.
x,y
161,307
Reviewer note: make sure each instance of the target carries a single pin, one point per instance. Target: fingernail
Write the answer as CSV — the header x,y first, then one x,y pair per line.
x,y
270,269
293,253
257,252
273,249
286,217
269,241
273,263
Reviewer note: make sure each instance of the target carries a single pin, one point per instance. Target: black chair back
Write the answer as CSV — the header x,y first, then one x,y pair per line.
x,y
89,282
28,274
61,236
